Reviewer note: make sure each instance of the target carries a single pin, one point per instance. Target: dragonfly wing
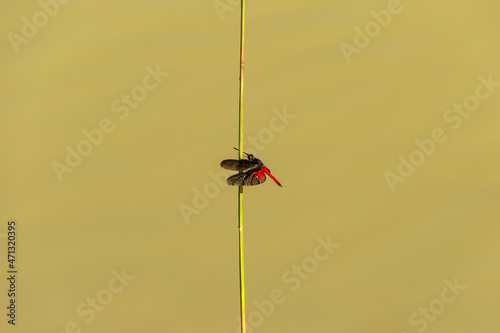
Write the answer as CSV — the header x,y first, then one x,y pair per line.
x,y
236,180
254,178
249,178
237,165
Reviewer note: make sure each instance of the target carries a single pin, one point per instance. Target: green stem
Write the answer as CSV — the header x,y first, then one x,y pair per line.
x,y
240,189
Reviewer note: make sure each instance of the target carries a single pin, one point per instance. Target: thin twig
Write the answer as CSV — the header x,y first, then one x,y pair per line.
x,y
240,188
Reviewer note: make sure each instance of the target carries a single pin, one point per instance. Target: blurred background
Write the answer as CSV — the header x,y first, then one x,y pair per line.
x,y
380,119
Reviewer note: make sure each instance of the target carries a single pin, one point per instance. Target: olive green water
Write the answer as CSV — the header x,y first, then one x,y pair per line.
x,y
379,118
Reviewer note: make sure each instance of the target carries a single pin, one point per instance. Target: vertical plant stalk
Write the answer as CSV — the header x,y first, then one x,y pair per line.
x,y
240,188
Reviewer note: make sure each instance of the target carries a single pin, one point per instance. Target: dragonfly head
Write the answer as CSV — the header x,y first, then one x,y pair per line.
x,y
249,156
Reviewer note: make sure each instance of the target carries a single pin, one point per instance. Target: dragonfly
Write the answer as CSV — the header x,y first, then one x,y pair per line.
x,y
251,171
